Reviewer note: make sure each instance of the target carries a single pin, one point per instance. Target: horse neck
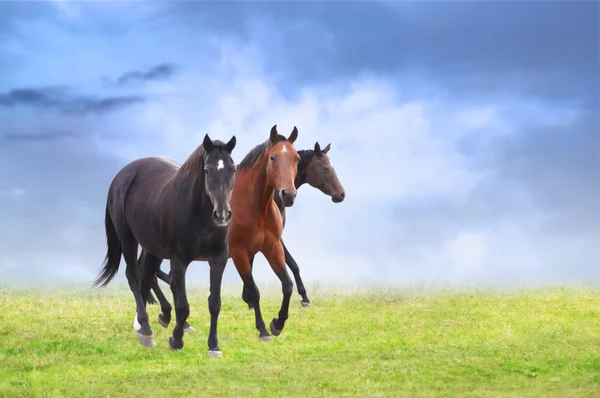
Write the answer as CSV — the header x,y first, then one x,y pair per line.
x,y
300,178
262,192
189,184
301,173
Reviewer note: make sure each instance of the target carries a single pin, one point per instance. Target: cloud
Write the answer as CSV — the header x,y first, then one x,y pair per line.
x,y
46,136
157,72
480,49
465,159
59,99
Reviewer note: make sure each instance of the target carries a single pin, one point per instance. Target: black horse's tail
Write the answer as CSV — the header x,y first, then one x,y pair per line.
x,y
113,253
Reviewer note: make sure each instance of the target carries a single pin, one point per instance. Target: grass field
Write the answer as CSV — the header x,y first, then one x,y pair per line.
x,y
543,342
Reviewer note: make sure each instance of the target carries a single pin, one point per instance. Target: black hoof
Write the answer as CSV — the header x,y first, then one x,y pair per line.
x,y
173,345
162,321
274,330
250,307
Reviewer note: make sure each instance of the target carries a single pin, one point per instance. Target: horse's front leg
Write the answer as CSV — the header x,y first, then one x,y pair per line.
x,y
217,266
182,306
276,258
165,318
241,260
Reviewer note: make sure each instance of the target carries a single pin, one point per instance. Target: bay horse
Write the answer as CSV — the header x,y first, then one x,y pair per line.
x,y
257,223
176,212
315,169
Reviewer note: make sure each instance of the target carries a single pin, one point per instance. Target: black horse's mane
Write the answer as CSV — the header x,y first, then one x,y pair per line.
x,y
306,156
258,151
195,162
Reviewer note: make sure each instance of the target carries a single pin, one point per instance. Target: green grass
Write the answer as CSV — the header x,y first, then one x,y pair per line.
x,y
543,342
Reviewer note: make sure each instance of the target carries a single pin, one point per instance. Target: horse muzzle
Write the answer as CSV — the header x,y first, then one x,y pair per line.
x,y
222,217
288,197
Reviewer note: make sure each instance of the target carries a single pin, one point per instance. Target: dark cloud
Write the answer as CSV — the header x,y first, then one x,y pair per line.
x,y
59,99
158,72
549,49
45,136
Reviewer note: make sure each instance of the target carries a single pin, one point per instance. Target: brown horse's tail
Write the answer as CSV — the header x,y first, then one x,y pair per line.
x,y
113,253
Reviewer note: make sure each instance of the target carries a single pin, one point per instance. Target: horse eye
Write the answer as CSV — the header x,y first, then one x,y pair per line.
x,y
205,171
326,169
272,157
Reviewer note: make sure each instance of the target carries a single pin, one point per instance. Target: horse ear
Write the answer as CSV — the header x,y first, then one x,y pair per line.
x,y
230,145
327,148
207,143
317,148
294,135
274,134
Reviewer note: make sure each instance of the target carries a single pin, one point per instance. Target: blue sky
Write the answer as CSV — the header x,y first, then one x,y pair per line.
x,y
465,133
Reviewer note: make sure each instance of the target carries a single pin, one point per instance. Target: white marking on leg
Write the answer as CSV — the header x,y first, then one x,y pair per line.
x,y
136,324
220,164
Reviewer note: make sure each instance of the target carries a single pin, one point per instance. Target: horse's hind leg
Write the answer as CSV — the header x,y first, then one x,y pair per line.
x,y
245,290
289,260
142,327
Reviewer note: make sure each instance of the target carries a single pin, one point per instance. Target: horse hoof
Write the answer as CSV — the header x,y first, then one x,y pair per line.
x,y
162,323
215,354
274,329
146,341
173,346
265,338
188,328
250,308
305,303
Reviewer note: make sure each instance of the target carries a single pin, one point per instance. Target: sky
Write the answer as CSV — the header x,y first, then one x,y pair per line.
x,y
466,134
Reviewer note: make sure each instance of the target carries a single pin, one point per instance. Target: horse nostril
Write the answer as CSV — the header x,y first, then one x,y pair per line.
x,y
229,215
283,192
343,195
216,215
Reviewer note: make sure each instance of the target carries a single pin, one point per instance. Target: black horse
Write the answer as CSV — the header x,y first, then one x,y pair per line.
x,y
176,212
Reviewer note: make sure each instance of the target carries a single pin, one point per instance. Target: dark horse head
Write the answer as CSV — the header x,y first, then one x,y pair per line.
x,y
317,170
283,165
219,175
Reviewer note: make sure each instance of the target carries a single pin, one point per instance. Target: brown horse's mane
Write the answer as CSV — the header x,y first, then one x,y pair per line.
x,y
255,154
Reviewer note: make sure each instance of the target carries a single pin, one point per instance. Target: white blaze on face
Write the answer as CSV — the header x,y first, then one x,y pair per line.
x,y
220,164
284,149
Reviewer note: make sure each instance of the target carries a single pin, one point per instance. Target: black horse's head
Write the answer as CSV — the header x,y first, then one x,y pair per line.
x,y
219,176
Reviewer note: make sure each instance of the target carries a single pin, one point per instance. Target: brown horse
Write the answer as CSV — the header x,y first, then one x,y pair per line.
x,y
315,169
257,223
